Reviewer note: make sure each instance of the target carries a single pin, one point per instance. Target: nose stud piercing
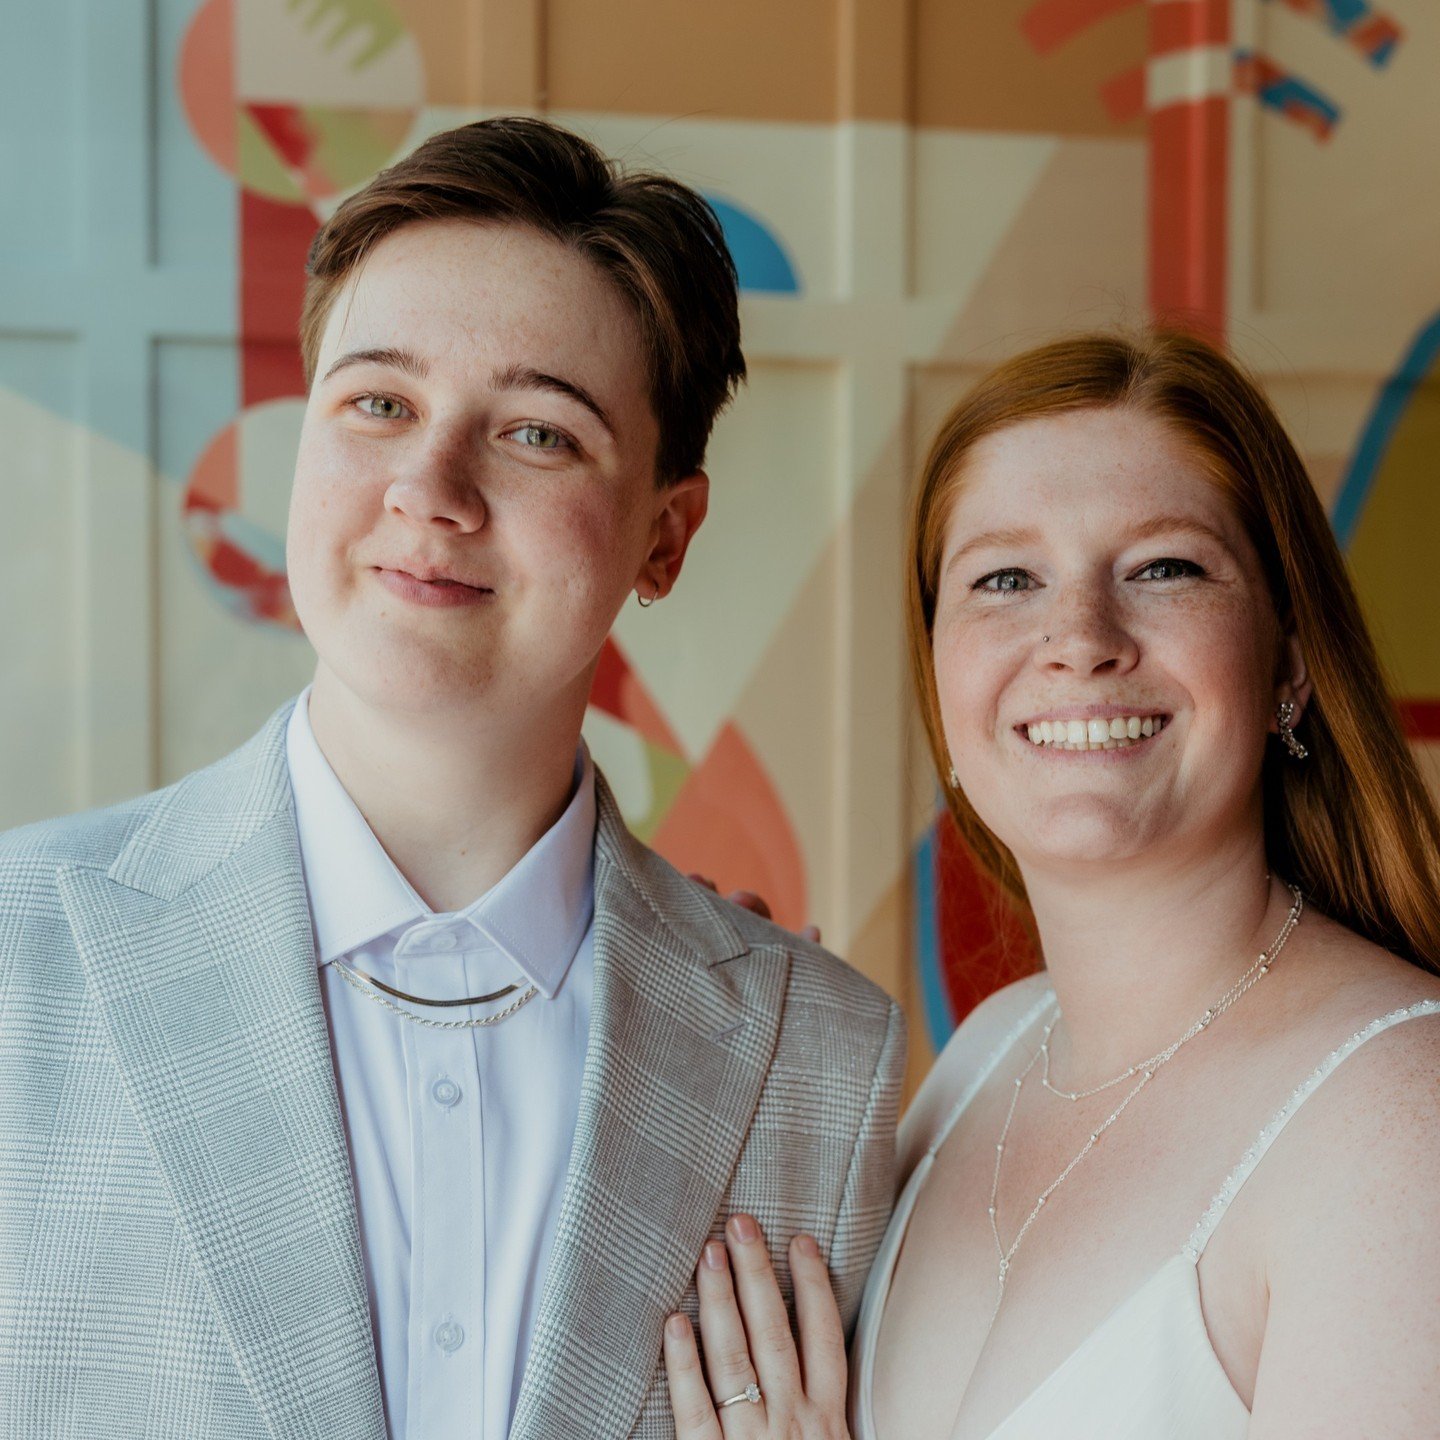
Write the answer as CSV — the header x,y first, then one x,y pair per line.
x,y
1284,715
1044,639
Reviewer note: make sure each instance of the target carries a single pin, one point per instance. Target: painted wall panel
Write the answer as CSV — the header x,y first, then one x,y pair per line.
x,y
911,192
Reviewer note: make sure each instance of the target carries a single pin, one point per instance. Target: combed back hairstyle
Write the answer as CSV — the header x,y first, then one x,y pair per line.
x,y
656,239
1354,825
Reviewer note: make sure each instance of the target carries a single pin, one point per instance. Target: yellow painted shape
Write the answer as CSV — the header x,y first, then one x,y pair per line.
x,y
1396,547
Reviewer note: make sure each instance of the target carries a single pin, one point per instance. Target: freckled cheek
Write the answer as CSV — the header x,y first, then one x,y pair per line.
x,y
972,670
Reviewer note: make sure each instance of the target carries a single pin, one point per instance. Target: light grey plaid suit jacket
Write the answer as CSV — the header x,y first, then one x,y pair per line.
x,y
179,1250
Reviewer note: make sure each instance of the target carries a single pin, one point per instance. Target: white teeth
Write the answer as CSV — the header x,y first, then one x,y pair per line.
x,y
1118,734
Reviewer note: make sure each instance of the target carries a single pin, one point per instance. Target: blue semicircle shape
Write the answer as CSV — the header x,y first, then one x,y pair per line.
x,y
760,258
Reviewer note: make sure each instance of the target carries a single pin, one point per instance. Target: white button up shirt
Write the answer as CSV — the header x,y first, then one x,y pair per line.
x,y
459,1139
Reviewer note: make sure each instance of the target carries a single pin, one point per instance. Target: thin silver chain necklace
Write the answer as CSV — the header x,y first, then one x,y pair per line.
x,y
366,987
1146,1070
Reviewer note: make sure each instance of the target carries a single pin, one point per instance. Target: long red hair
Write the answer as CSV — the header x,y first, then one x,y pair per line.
x,y
1354,825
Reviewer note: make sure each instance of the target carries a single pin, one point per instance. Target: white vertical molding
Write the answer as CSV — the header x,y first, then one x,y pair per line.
x,y
873,179
116,490
1243,302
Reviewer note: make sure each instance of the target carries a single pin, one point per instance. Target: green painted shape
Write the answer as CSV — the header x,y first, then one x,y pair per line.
x,y
351,145
342,19
1395,553
668,774
261,169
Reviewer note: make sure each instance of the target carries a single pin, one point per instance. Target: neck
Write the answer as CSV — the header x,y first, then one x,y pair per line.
x,y
1137,954
456,798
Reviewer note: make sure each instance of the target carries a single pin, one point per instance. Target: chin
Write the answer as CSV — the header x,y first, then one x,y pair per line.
x,y
1079,834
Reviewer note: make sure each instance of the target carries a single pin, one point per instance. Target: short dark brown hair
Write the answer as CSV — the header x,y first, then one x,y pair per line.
x,y
657,240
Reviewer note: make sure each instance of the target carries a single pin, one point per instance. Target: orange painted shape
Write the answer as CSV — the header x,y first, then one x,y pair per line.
x,y
1188,215
1182,26
205,78
728,823
214,483
618,691
1123,95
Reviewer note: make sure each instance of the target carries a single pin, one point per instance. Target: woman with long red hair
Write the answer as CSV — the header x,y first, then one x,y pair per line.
x,y
1185,1182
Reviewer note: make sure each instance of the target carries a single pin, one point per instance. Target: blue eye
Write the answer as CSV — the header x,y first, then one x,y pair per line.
x,y
1174,570
381,407
1004,582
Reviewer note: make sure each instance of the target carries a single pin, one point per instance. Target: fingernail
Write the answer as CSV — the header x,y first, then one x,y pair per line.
x,y
806,1245
744,1229
677,1325
715,1255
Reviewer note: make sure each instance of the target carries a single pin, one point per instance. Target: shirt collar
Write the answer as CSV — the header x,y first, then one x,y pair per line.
x,y
538,913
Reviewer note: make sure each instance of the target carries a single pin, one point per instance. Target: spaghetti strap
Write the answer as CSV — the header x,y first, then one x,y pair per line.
x,y
1200,1236
1046,1001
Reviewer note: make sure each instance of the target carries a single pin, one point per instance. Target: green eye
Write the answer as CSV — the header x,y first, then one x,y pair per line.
x,y
381,407
540,437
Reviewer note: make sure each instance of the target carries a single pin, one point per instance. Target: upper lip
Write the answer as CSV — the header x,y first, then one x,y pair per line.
x,y
1093,712
424,571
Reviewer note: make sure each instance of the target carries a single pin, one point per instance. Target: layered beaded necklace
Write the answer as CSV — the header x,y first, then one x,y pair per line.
x,y
1145,1071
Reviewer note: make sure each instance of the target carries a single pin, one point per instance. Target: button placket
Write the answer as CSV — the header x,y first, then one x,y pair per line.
x,y
447,1256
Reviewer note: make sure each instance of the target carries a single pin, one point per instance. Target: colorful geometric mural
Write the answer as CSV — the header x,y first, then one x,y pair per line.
x,y
909,194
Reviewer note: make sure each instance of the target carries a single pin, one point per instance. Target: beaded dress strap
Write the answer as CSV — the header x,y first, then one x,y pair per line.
x,y
1200,1236
1045,1002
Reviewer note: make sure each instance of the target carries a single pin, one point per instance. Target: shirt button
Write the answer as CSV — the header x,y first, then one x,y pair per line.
x,y
445,941
449,1336
445,1092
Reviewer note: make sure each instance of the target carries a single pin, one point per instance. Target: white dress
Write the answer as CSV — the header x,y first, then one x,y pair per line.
x,y
1148,1368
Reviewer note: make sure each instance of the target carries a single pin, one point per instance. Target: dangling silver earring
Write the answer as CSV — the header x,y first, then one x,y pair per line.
x,y
1284,715
646,604
954,779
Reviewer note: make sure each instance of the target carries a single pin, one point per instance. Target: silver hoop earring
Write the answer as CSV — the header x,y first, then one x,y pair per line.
x,y
1284,715
646,604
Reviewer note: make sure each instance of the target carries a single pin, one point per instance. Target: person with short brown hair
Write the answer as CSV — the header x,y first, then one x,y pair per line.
x,y
376,1081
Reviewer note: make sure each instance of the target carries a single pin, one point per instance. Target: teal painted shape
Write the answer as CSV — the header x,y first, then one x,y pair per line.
x,y
761,260
118,234
1390,405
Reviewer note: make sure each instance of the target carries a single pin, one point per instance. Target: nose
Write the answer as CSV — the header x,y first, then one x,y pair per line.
x,y
439,484
1087,636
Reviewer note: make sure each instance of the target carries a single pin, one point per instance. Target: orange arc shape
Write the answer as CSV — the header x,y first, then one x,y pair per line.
x,y
728,823
205,77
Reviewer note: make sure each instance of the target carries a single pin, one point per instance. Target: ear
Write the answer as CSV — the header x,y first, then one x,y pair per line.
x,y
1293,680
682,509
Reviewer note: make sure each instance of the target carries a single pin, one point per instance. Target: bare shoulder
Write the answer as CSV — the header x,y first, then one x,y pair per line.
x,y
1352,1210
989,1027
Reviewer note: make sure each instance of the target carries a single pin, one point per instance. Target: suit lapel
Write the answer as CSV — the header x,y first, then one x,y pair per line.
x,y
199,951
680,1044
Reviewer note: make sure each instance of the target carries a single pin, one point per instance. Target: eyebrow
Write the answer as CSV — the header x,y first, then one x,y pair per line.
x,y
1013,538
512,377
525,377
406,360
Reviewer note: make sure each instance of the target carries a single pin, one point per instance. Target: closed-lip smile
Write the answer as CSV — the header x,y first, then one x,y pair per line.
x,y
429,585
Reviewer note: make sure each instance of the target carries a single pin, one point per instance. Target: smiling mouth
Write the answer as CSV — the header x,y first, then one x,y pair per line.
x,y
1122,732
